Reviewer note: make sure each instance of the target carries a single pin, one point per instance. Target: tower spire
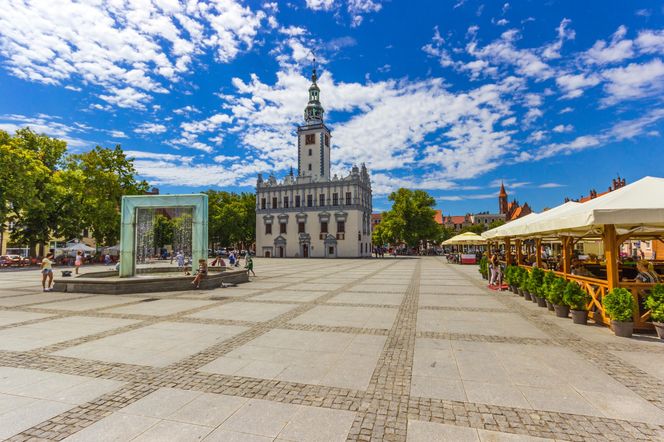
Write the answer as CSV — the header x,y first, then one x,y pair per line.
x,y
313,113
502,200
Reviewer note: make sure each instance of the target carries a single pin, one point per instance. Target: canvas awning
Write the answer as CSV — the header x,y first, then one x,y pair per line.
x,y
467,238
636,208
510,228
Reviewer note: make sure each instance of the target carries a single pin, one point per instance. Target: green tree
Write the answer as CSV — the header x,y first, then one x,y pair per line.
x,y
411,218
96,181
496,223
475,228
29,168
164,230
232,218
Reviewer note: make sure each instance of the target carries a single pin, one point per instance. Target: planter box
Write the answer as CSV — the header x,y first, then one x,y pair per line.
x,y
549,305
580,317
519,291
562,311
622,329
526,296
659,328
541,302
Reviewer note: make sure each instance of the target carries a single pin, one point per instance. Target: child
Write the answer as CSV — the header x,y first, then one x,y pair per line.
x,y
47,272
202,272
249,264
79,260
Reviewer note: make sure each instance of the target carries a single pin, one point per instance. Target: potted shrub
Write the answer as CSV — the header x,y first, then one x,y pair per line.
x,y
619,305
535,284
525,283
549,278
509,270
512,274
577,299
655,303
556,292
484,267
518,279
544,279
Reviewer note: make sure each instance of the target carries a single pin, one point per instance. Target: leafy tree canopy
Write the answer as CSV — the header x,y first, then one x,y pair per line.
x,y
410,220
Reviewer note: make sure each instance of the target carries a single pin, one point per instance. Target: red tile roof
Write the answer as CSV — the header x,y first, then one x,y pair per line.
x,y
438,216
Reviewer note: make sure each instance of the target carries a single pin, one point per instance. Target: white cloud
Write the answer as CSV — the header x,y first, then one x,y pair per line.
x,y
636,80
129,48
573,85
552,50
142,155
150,128
293,31
550,185
503,51
616,50
622,130
320,5
563,128
651,42
117,134
126,97
49,125
356,9
537,136
186,110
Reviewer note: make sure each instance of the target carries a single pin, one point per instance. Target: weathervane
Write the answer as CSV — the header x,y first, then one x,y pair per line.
x,y
314,75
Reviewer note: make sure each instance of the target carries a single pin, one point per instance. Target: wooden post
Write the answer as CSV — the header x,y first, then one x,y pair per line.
x,y
508,251
519,257
567,254
538,252
611,255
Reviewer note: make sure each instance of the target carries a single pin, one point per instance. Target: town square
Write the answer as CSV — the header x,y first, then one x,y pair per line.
x,y
331,220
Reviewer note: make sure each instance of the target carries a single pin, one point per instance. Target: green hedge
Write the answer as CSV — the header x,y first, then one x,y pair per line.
x,y
655,303
619,305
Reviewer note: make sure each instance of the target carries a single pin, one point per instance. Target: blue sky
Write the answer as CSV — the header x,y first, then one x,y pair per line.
x,y
553,98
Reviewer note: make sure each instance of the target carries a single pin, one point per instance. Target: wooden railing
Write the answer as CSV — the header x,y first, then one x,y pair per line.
x,y
598,288
639,291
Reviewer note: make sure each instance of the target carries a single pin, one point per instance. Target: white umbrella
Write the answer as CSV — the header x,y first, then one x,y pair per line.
x,y
80,246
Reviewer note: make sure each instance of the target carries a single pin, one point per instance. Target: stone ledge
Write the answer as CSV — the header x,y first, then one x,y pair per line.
x,y
121,286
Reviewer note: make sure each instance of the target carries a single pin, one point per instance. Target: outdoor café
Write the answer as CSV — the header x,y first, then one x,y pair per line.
x,y
551,240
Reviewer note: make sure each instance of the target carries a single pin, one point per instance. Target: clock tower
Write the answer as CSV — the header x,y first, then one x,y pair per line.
x,y
314,138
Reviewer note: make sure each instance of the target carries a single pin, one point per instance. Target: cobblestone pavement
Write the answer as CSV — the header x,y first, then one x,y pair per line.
x,y
390,349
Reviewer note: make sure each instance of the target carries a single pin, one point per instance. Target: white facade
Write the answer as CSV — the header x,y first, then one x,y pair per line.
x,y
312,214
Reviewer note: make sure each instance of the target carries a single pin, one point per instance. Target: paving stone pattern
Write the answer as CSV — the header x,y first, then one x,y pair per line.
x,y
387,349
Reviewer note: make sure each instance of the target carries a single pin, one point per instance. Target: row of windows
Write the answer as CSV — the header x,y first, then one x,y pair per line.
x,y
311,139
301,228
310,201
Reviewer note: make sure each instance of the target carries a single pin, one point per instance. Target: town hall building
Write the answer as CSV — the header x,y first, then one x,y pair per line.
x,y
313,214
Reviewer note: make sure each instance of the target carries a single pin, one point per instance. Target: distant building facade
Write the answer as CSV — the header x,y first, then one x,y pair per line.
x,y
313,214
511,210
616,184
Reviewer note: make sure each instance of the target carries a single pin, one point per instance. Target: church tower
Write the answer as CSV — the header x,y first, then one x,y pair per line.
x,y
502,200
313,138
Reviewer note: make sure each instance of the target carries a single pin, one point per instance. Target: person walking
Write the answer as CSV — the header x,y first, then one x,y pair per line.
x,y
180,260
47,272
79,261
249,265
